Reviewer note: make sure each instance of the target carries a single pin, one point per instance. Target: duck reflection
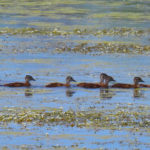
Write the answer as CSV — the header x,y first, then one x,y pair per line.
x,y
137,93
106,93
28,92
69,92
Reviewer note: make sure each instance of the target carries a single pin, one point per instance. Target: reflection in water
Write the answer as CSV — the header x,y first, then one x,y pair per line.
x,y
28,92
106,93
137,93
69,92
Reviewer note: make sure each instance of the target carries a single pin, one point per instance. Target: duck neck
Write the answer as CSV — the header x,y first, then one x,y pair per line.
x,y
136,83
101,81
27,82
106,82
67,83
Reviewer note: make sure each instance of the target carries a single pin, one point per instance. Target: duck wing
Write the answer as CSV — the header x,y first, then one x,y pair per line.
x,y
144,85
89,85
16,84
123,85
55,84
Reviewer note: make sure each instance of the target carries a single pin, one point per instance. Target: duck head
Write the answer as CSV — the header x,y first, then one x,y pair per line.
x,y
109,79
103,77
69,79
29,78
137,80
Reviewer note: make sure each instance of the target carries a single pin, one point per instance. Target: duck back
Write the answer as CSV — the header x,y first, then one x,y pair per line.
x,y
123,85
18,84
55,84
89,85
144,85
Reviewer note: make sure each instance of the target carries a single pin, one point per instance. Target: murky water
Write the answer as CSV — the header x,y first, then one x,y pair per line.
x,y
52,39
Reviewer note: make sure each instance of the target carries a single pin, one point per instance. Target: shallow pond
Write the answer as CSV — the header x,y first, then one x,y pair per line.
x,y
52,39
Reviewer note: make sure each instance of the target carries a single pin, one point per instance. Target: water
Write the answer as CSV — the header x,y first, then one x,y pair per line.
x,y
52,39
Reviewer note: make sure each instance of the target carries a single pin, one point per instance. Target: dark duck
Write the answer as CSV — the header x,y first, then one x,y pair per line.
x,y
28,78
104,81
136,84
58,84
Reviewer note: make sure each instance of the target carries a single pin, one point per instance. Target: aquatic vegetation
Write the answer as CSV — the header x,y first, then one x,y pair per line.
x,y
76,31
106,47
120,117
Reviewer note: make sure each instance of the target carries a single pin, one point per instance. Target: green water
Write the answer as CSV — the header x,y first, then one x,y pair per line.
x,y
52,39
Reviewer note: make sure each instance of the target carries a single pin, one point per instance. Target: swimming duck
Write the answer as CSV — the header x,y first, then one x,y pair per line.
x,y
104,81
28,78
136,81
57,84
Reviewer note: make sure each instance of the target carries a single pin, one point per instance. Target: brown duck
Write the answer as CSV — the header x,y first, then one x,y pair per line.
x,y
28,78
58,84
136,84
104,81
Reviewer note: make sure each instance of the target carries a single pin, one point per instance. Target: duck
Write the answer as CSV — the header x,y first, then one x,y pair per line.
x,y
136,84
104,81
27,83
58,84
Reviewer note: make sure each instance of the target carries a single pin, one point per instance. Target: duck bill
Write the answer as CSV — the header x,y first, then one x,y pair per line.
x,y
112,79
33,79
74,80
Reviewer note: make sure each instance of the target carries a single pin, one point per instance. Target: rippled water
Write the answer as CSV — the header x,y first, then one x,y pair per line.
x,y
52,39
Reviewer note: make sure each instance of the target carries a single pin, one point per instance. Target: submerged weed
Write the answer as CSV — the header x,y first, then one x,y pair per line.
x,y
119,117
76,31
105,47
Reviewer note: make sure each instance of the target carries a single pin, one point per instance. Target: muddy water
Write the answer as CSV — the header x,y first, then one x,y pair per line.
x,y
50,40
